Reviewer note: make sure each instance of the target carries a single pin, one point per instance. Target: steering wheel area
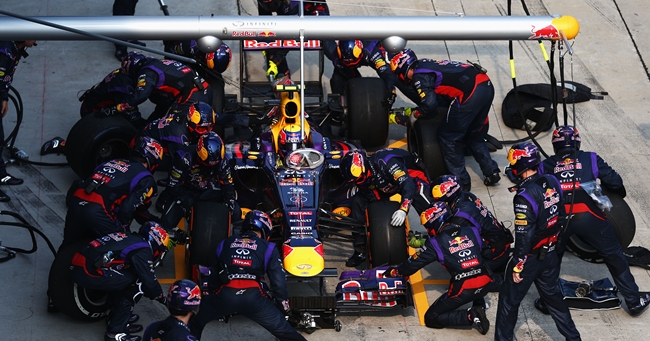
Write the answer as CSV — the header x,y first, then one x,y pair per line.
x,y
304,158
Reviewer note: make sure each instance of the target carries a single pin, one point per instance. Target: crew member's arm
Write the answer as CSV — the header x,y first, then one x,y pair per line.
x,y
142,262
277,276
426,255
424,84
6,67
609,178
525,221
145,85
144,188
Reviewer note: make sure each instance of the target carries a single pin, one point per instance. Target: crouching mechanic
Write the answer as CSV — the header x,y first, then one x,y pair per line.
x,y
235,283
457,245
183,301
123,264
199,173
378,177
118,191
572,166
447,188
538,205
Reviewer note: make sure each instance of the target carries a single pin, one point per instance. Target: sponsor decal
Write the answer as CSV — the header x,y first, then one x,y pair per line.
x,y
242,262
470,263
521,222
467,274
520,216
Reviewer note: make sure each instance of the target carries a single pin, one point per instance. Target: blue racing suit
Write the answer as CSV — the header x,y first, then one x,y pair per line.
x,y
246,259
588,221
497,237
118,191
468,93
538,206
132,260
169,329
458,249
112,90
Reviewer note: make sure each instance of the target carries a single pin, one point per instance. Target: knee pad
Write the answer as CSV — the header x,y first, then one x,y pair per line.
x,y
134,292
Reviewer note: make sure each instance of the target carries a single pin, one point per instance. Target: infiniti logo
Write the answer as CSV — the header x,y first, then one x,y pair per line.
x,y
303,266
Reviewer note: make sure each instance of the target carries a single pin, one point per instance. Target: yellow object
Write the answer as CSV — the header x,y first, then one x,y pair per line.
x,y
568,25
344,211
304,261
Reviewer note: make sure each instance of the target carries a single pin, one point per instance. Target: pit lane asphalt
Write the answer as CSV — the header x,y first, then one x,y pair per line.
x,y
611,54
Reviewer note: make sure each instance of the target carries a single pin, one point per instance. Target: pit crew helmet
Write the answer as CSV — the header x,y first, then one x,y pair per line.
x,y
354,167
523,156
158,239
257,221
402,62
200,118
269,5
565,139
210,149
289,139
219,60
133,62
184,297
446,188
350,52
149,150
435,217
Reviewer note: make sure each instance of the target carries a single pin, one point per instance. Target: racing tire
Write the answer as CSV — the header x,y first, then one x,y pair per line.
x,y
367,117
422,138
209,225
387,244
94,140
622,219
70,298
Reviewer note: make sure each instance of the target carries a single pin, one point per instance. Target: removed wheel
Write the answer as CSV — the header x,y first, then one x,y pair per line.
x,y
209,225
94,140
67,296
422,139
622,219
386,243
367,117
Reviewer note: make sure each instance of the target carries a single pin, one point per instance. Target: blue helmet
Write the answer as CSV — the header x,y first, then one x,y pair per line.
x,y
257,221
446,188
402,62
523,156
133,62
148,149
219,60
565,139
158,239
354,167
184,296
435,217
210,149
350,52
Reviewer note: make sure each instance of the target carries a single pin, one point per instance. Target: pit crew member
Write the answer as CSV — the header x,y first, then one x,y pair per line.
x,y
183,301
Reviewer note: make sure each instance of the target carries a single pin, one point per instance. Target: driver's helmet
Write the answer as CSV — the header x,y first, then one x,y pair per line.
x,y
350,52
219,60
523,156
257,221
565,139
354,167
402,62
289,139
200,118
149,150
435,217
184,296
446,188
132,63
158,239
210,149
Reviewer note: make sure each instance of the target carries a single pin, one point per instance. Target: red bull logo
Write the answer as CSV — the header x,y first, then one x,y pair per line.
x,y
546,32
357,168
267,34
515,154
194,292
551,197
432,214
460,243
449,187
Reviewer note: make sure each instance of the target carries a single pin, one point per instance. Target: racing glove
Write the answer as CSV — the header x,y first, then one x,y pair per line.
x,y
234,208
178,236
390,99
284,306
415,241
398,218
272,70
413,114
162,299
109,111
391,272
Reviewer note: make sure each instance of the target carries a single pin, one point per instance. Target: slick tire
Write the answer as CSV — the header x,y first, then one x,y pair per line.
x,y
94,140
422,139
209,225
387,244
367,117
622,220
68,297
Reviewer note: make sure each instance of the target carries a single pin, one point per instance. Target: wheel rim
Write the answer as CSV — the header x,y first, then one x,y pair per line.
x,y
110,150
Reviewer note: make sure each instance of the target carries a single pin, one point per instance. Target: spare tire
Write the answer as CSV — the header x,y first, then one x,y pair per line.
x,y
94,140
622,219
422,139
68,297
387,244
367,117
